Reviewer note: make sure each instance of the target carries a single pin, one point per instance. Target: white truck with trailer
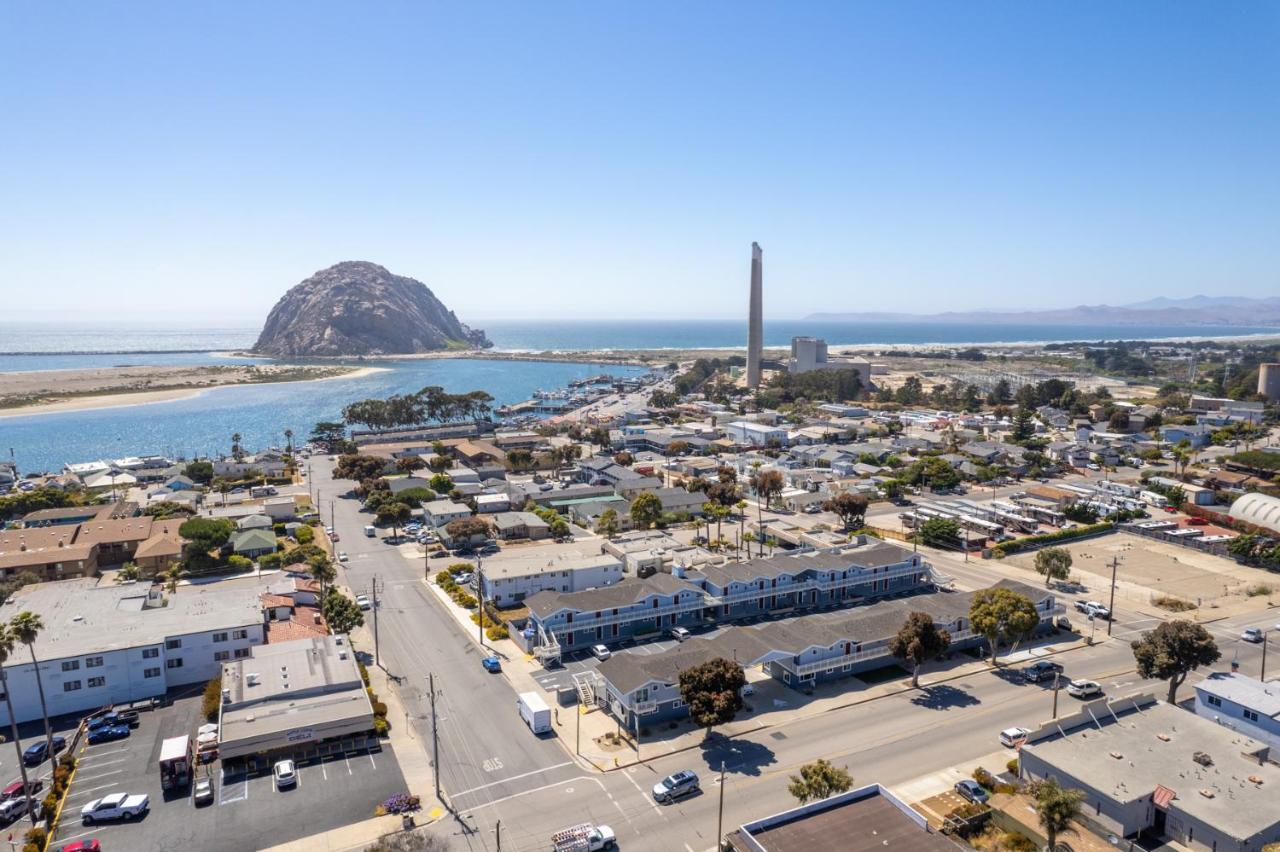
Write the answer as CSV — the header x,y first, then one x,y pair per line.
x,y
534,711
584,838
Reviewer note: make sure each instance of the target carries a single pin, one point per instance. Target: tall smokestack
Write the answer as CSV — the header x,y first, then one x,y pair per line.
x,y
755,319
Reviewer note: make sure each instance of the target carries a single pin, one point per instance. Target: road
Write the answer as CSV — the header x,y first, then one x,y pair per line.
x,y
486,751
499,776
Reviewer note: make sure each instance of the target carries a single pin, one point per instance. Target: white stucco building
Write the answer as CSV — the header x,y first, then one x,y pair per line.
x,y
114,644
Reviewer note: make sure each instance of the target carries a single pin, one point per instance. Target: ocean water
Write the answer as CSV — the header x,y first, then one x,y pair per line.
x,y
260,413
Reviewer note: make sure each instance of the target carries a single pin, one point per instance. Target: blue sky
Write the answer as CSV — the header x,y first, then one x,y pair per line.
x,y
604,159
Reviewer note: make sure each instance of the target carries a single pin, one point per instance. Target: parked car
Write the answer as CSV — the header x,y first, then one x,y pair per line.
x,y
1041,670
972,791
16,807
15,789
1084,688
675,786
89,845
342,556
1252,634
39,753
600,652
203,794
334,537
363,602
123,806
285,773
1197,522
1097,610
678,633
108,734
491,664
128,717
1010,737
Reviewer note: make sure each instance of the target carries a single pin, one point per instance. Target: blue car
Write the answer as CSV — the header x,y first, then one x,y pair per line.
x,y
108,733
491,664
39,753
106,720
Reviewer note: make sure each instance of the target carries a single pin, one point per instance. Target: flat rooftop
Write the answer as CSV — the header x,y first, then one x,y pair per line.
x,y
1129,754
859,821
305,684
80,617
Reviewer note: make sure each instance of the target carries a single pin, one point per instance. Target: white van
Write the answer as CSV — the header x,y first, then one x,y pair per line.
x,y
370,531
534,711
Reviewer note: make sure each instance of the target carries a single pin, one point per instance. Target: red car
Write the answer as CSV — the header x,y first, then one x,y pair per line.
x,y
1197,522
15,789
83,846
334,537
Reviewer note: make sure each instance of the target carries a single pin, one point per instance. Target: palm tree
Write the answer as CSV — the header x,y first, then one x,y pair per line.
x,y
25,627
288,441
235,445
172,577
1057,807
6,649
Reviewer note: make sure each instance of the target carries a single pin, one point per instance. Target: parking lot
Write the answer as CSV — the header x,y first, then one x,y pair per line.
x,y
247,811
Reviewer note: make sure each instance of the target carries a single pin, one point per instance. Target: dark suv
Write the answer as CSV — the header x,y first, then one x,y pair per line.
x,y
39,753
1041,670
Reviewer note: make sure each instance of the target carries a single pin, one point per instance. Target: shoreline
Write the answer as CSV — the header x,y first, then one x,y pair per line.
x,y
97,402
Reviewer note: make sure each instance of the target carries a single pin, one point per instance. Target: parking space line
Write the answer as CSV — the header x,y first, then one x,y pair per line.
x,y
347,760
371,761
102,775
323,771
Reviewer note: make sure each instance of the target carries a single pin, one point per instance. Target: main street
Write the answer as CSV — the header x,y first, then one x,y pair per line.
x,y
502,779
486,751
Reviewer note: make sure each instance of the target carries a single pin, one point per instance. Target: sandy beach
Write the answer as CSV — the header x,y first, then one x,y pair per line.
x,y
54,391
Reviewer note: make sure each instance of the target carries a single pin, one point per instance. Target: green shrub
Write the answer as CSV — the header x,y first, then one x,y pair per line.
x,y
985,778
444,578
212,700
1012,766
364,673
240,563
1173,604
379,709
304,535
1032,541
1258,590
381,727
498,632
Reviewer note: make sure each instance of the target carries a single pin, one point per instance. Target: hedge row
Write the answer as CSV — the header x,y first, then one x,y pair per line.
x,y
1033,541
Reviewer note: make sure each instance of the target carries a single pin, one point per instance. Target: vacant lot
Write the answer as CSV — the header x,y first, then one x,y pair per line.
x,y
1158,567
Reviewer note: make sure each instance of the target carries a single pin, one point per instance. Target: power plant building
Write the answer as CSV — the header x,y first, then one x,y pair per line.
x,y
755,319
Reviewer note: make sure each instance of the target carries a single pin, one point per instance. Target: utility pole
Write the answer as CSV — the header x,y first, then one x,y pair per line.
x,y
375,620
1111,607
332,521
720,812
435,739
480,593
1057,679
1262,676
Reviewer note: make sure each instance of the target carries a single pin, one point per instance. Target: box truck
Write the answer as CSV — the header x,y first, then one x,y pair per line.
x,y
534,711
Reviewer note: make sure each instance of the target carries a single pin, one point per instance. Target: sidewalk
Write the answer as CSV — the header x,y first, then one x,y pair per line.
x,y
772,704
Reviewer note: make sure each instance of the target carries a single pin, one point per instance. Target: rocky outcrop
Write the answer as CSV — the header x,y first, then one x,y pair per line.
x,y
359,308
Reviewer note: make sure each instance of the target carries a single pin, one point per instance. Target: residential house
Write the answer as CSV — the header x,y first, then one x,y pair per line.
x,y
520,525
510,582
440,512
253,543
116,540
51,553
1196,436
749,434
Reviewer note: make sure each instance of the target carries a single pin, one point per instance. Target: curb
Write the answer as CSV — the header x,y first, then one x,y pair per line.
x,y
66,793
865,700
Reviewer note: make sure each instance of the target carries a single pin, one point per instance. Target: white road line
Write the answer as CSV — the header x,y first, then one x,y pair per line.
x,y
348,762
645,796
375,765
323,771
512,778
493,802
102,775
688,847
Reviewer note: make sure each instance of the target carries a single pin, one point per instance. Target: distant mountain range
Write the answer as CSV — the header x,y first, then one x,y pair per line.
x,y
1194,310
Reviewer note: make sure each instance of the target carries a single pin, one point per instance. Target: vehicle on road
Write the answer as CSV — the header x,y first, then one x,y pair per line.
x,y
342,556
1041,670
1010,737
534,711
39,753
363,602
123,806
108,734
1097,610
675,786
440,554
285,774
370,531
492,665
1252,634
334,537
203,794
972,791
175,762
584,838
1084,688
600,652
678,633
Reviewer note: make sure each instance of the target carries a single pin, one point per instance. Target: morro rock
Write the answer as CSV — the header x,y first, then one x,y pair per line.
x,y
359,308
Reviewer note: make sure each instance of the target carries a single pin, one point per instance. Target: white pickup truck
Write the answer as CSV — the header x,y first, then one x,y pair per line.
x,y
123,806
584,838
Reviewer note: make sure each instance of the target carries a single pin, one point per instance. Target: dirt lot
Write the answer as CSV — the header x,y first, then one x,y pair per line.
x,y
1160,568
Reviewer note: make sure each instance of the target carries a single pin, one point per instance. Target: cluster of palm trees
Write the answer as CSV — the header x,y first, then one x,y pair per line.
x,y
23,630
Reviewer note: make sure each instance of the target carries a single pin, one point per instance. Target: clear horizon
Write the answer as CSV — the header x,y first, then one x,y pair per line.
x,y
197,161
